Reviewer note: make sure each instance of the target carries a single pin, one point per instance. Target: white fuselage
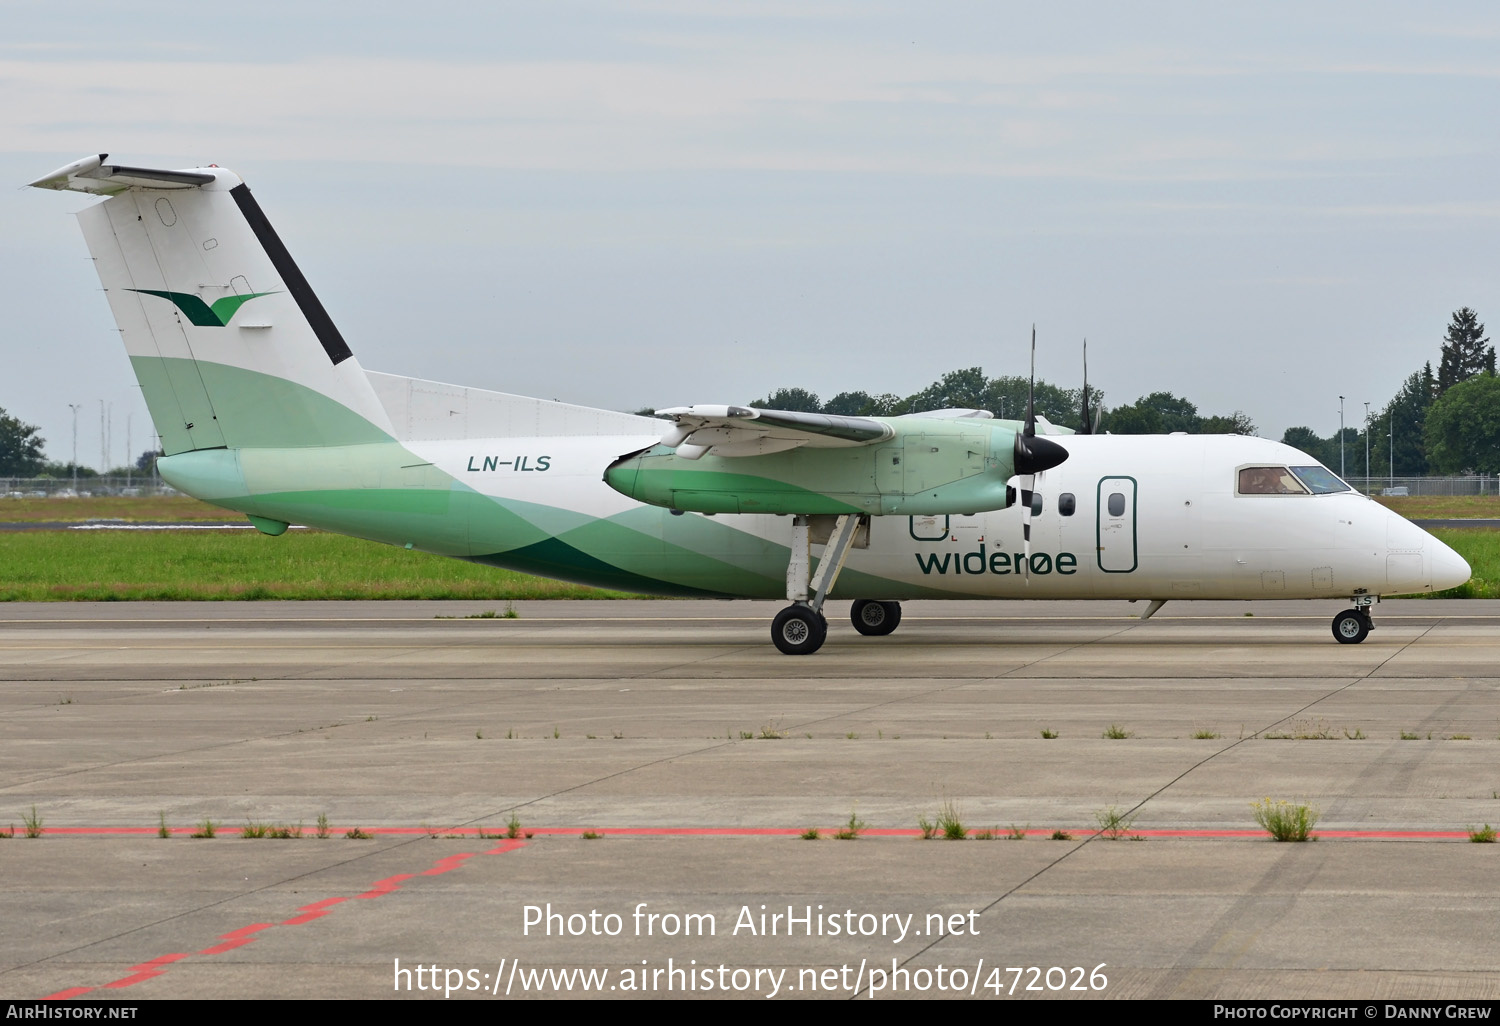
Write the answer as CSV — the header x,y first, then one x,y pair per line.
x,y
1151,517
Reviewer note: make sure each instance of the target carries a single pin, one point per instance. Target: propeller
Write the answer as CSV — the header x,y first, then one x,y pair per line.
x,y
1032,456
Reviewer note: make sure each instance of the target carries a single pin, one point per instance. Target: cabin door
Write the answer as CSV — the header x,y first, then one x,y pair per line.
x,y
1116,531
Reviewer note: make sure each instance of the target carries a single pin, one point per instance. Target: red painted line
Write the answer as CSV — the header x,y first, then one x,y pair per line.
x,y
386,886
236,938
776,832
1036,832
447,865
244,935
219,949
691,831
163,960
316,910
146,970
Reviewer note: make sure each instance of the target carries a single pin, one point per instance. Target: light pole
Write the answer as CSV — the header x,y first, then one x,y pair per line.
x,y
74,407
1341,439
1391,423
1367,448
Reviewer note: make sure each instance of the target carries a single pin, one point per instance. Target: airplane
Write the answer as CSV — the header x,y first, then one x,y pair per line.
x,y
262,408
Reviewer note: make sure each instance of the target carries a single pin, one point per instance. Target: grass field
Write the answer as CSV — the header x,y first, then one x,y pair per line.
x,y
110,507
1481,547
44,566
1422,507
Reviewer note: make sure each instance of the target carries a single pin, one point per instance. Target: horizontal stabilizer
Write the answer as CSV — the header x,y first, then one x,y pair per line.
x,y
91,174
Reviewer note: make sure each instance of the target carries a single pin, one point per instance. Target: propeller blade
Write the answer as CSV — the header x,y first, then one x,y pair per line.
x,y
1032,454
1026,503
1087,428
1030,429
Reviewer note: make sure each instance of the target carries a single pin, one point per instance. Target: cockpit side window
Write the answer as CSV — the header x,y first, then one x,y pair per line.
x,y
1269,481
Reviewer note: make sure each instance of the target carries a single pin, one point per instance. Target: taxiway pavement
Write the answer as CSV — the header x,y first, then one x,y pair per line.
x,y
676,732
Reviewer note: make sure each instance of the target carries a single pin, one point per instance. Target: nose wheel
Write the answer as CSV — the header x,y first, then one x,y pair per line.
x,y
1352,626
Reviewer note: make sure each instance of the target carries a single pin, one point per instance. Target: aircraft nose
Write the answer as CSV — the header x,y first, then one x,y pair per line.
x,y
1416,562
1448,568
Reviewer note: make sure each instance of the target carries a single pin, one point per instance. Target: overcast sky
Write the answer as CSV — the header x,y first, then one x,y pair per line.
x,y
1258,207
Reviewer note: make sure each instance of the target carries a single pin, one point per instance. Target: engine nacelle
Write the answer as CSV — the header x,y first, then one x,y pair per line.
x,y
926,467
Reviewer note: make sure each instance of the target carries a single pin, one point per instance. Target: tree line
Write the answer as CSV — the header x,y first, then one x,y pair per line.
x,y
1005,397
1443,423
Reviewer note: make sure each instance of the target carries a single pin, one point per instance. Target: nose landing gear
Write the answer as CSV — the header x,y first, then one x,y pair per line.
x,y
1353,625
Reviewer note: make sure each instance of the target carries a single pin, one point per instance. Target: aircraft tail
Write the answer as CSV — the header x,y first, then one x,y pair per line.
x,y
231,346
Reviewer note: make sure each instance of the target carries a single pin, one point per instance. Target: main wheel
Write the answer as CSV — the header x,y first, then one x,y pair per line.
x,y
1351,627
875,619
797,630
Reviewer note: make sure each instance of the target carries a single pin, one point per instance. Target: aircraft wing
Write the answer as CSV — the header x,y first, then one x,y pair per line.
x,y
746,431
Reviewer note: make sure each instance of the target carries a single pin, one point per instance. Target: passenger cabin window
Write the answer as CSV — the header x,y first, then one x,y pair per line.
x,y
1036,504
1117,504
1066,504
1269,481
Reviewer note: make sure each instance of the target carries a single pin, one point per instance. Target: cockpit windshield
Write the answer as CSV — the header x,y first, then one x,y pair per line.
x,y
1269,481
1320,480
1314,480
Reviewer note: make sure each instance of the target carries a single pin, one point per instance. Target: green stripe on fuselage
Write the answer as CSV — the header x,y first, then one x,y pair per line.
x,y
248,409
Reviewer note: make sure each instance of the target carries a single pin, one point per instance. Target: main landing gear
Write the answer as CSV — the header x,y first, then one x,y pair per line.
x,y
1353,625
875,619
801,628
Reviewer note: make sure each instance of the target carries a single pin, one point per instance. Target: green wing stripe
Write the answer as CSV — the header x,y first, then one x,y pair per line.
x,y
199,312
195,309
224,309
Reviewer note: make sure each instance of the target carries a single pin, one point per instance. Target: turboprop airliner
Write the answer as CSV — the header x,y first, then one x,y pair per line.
x,y
262,408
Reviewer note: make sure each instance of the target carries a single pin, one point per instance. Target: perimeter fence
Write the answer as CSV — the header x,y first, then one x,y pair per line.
x,y
142,485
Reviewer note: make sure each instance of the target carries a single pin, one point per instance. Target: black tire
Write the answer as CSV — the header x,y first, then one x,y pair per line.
x,y
1351,627
797,630
875,619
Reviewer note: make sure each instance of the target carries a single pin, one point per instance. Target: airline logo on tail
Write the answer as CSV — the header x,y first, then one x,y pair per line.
x,y
199,312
